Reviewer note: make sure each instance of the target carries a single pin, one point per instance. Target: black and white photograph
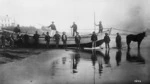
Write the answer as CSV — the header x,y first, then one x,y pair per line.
x,y
74,41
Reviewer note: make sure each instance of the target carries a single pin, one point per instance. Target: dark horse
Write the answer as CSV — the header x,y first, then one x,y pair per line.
x,y
136,38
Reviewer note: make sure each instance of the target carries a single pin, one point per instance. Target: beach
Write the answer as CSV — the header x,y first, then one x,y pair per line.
x,y
71,66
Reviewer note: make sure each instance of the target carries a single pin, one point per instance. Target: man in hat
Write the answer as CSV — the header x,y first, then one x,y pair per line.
x,y
77,40
47,39
64,39
106,40
57,38
36,39
53,29
74,26
94,39
100,27
118,41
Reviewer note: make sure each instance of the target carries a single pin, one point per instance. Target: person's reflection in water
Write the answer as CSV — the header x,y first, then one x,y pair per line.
x,y
107,58
93,57
63,60
76,59
135,58
100,56
118,57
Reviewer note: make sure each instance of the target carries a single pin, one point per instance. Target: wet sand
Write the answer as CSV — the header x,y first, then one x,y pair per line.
x,y
58,66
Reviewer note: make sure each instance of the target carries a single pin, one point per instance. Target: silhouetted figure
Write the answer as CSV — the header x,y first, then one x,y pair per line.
x,y
74,26
100,27
53,29
19,40
47,39
26,40
94,39
3,38
135,58
17,29
107,58
106,40
64,40
118,41
11,40
136,38
118,57
76,59
57,39
77,40
36,39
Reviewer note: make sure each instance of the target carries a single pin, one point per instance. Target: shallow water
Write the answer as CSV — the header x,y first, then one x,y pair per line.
x,y
79,67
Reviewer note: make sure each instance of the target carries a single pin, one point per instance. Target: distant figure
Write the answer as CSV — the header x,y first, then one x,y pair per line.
x,y
118,57
11,40
94,39
57,38
64,39
26,40
77,40
136,38
19,40
36,39
3,38
17,29
100,27
106,40
74,26
53,29
118,41
47,39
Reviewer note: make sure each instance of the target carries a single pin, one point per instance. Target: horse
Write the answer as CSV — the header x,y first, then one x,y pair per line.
x,y
136,38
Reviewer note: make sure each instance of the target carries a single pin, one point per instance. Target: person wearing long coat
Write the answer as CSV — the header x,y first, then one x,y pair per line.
x,y
64,39
77,40
94,39
106,40
47,39
57,38
118,41
36,39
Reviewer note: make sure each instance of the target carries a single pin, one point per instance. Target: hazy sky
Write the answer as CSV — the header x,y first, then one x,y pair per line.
x,y
112,13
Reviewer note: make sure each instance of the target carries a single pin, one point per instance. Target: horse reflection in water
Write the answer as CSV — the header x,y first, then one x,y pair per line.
x,y
76,59
118,57
135,57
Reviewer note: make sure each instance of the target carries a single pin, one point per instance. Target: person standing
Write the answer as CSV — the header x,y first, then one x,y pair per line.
x,y
36,39
26,40
11,39
57,38
47,39
64,39
17,29
106,40
118,41
74,26
100,27
53,29
3,38
77,40
94,39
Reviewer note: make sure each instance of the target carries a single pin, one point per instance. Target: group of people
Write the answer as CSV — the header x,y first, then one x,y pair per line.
x,y
106,40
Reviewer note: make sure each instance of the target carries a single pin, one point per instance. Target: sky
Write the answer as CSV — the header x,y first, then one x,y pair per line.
x,y
122,14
